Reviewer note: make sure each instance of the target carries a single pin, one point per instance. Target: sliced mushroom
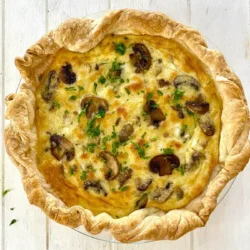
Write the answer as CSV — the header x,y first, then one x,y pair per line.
x,y
163,83
94,185
179,193
124,176
66,75
155,113
142,202
179,110
198,106
141,58
95,104
126,131
142,185
164,164
195,159
112,165
61,147
186,80
50,86
206,125
162,194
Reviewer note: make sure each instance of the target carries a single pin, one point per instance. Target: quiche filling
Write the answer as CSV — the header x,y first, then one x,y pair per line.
x,y
132,123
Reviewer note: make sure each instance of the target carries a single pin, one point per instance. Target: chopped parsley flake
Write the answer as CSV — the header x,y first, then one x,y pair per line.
x,y
91,147
55,104
13,222
72,170
95,88
115,146
167,151
72,88
72,98
6,192
120,48
127,80
83,112
177,95
149,96
92,130
154,106
159,92
190,113
127,90
83,175
144,113
140,150
80,88
181,169
124,188
144,134
102,79
101,113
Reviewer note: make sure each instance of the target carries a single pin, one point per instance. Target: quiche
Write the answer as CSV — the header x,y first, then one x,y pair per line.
x,y
127,123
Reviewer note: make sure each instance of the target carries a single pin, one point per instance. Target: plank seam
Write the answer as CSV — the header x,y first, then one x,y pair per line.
x,y
3,122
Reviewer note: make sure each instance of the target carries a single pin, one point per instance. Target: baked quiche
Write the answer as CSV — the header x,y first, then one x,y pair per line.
x,y
127,123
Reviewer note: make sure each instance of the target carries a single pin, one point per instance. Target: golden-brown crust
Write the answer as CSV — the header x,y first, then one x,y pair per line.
x,y
150,223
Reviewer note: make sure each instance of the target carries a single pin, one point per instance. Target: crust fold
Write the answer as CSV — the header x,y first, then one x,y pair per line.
x,y
81,35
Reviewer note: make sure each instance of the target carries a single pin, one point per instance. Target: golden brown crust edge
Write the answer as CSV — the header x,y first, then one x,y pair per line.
x,y
149,223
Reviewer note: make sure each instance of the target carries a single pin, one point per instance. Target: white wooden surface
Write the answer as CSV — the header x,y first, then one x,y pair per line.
x,y
225,22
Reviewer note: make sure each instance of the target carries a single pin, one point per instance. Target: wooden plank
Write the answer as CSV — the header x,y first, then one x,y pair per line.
x,y
226,23
60,237
172,8
24,24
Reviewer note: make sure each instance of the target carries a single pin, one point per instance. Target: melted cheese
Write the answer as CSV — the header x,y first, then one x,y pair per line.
x,y
63,120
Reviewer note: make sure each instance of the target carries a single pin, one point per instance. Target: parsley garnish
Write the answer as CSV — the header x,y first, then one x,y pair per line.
x,y
115,146
149,96
120,48
72,98
183,130
72,170
80,88
107,138
124,188
154,106
159,92
127,80
72,88
13,222
181,169
116,65
143,135
144,113
141,150
167,151
190,113
127,90
6,192
100,114
83,112
55,104
177,95
95,88
92,130
102,79
83,175
91,147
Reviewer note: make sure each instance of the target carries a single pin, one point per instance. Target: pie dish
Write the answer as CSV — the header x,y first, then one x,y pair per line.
x,y
127,123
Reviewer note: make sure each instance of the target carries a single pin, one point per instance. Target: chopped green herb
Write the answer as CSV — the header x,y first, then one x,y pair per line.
x,y
91,147
66,111
190,113
116,65
101,113
123,168
181,169
183,130
167,151
12,208
140,150
6,192
115,72
95,88
155,139
124,188
159,92
72,88
92,130
83,112
90,168
121,81
177,95
80,88
127,90
144,134
149,96
102,79
117,96
72,170
120,48
115,146
83,175
127,80
72,98
55,104
154,106
13,222
144,113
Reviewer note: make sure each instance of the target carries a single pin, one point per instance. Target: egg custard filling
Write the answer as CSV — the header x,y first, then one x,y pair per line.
x,y
132,123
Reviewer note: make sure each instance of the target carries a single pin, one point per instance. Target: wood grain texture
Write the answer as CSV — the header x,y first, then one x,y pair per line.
x,y
24,24
225,22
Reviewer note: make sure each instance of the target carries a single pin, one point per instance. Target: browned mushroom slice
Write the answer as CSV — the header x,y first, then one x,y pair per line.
x,y
112,165
198,106
66,75
50,85
126,131
207,126
179,110
155,113
186,80
141,58
142,185
142,202
94,185
124,176
61,147
94,105
163,83
179,193
164,164
162,194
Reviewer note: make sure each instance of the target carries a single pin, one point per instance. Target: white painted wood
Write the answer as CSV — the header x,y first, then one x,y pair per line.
x,y
24,24
226,23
